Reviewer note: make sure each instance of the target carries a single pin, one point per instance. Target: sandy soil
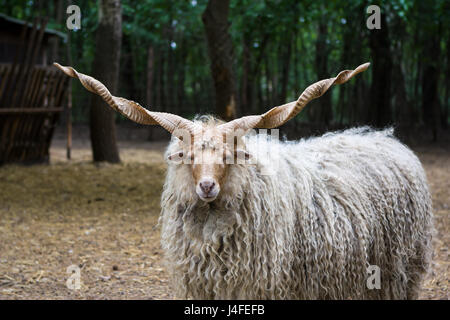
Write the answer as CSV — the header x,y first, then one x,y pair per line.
x,y
103,220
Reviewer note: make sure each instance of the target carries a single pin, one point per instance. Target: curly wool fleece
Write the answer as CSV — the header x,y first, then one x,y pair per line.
x,y
335,205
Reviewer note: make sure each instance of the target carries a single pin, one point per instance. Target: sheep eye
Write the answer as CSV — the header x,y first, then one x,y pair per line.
x,y
176,156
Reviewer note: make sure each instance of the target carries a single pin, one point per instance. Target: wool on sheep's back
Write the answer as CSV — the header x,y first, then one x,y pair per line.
x,y
333,206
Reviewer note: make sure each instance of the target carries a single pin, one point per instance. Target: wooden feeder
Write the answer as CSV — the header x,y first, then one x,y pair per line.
x,y
32,93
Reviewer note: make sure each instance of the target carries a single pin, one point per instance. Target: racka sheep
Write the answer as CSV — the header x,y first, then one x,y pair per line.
x,y
248,217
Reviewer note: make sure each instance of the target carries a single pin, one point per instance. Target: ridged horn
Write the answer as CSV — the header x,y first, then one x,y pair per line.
x,y
130,109
279,115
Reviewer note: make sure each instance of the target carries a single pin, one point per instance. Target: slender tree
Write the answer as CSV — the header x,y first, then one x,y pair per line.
x,y
431,52
380,101
220,48
323,111
106,69
446,104
150,74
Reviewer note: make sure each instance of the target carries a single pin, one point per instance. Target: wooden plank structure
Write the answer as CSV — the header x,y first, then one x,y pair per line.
x,y
31,99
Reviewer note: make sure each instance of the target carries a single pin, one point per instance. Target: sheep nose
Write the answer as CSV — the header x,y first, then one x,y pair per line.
x,y
207,186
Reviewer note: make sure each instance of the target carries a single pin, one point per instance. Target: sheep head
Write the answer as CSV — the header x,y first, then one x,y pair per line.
x,y
210,148
209,152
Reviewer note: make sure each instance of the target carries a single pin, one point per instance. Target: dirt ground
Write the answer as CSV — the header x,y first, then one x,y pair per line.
x,y
103,220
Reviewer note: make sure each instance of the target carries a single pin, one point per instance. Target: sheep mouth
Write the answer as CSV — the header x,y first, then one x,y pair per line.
x,y
207,197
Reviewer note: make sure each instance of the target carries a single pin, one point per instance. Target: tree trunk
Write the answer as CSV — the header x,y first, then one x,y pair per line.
x,y
322,112
296,66
160,99
149,86
135,75
417,96
259,99
273,80
446,104
170,87
215,19
256,74
245,73
431,53
55,41
345,59
68,109
269,86
381,75
430,98
285,63
150,72
106,70
402,105
181,75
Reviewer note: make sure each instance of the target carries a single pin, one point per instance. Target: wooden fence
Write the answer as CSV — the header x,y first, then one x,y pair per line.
x,y
27,128
31,99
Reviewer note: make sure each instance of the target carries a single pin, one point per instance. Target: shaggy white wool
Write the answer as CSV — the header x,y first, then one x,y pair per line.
x,y
335,205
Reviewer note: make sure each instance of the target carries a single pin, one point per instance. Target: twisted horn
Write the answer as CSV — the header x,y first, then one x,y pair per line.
x,y
130,109
279,115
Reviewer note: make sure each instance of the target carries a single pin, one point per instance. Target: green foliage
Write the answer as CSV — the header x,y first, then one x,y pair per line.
x,y
182,80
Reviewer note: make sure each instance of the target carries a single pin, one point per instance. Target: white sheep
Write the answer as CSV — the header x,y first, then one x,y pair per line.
x,y
331,207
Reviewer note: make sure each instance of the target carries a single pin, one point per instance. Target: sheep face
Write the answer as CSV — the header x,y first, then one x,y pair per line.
x,y
209,157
